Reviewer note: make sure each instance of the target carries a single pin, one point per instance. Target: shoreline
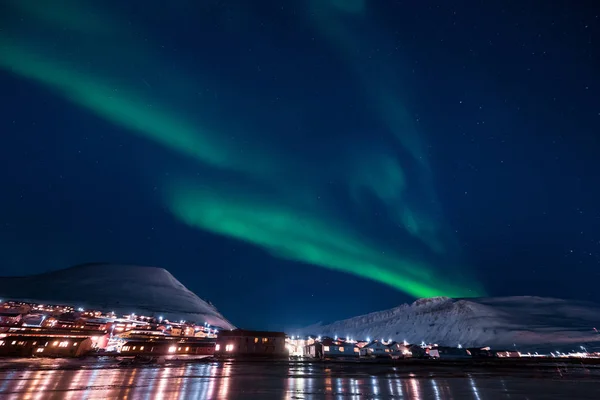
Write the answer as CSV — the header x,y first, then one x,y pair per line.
x,y
417,365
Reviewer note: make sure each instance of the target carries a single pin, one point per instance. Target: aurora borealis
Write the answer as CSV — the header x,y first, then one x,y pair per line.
x,y
292,134
300,229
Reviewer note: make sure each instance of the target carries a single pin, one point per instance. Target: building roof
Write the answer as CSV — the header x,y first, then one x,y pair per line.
x,y
54,332
10,313
333,342
170,341
48,338
375,343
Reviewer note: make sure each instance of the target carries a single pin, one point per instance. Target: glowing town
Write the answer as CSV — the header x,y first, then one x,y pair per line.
x,y
44,330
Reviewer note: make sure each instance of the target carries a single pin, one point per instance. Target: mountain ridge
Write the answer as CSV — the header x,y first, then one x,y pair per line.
x,y
527,321
115,287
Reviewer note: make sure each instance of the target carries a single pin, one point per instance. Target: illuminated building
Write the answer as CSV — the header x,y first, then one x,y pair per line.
x,y
164,346
332,348
240,342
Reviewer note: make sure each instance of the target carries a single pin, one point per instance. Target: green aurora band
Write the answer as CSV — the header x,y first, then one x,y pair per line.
x,y
292,235
345,24
274,204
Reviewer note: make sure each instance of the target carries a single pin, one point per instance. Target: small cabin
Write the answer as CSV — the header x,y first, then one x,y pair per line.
x,y
245,343
480,352
418,351
399,350
375,349
452,353
332,348
10,317
506,354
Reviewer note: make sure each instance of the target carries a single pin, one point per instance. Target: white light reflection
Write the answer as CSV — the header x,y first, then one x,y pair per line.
x,y
211,382
200,387
354,394
375,386
339,389
436,391
504,388
301,385
224,381
90,381
152,375
399,387
310,382
391,388
6,381
474,388
162,383
290,387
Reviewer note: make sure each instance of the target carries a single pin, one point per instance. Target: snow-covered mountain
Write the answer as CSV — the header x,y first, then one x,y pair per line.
x,y
111,287
523,321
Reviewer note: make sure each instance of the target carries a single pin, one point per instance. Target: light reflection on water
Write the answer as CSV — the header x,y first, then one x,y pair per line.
x,y
281,381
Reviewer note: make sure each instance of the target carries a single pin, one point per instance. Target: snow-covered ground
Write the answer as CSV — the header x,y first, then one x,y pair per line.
x,y
524,321
121,288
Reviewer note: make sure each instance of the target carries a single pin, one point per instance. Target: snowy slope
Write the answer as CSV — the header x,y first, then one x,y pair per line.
x,y
120,288
503,321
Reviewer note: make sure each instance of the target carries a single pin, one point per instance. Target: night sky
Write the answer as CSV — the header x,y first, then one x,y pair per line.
x,y
306,160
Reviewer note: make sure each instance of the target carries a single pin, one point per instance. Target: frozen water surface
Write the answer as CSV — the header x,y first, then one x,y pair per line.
x,y
52,380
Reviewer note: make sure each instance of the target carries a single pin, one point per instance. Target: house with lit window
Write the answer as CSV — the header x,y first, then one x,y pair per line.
x,y
480,352
98,339
506,354
449,353
165,346
375,349
328,348
417,351
10,317
244,343
45,346
399,350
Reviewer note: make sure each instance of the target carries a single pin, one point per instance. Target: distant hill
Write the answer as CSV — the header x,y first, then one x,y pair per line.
x,y
112,287
524,321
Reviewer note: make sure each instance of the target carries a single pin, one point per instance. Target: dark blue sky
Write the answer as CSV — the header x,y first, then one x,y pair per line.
x,y
459,140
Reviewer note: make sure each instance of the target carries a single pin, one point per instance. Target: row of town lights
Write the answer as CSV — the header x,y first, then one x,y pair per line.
x,y
404,342
348,339
160,319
